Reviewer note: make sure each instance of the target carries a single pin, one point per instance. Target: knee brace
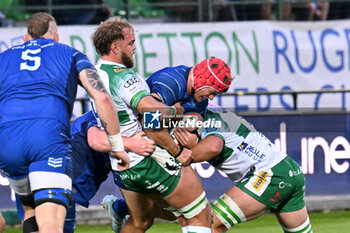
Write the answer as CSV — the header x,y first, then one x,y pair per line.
x,y
228,212
303,228
55,195
192,209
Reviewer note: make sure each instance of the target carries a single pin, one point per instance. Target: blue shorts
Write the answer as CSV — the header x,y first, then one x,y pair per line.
x,y
36,151
95,172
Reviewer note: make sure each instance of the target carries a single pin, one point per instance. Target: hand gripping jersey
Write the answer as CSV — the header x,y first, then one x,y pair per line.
x,y
126,88
38,79
170,84
245,149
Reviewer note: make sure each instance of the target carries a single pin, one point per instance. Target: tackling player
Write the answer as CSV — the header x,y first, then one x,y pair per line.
x,y
160,173
265,177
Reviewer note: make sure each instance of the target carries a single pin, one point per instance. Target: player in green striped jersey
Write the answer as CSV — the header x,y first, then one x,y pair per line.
x,y
265,177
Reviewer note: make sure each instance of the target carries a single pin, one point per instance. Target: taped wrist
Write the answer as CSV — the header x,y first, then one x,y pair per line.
x,y
116,142
181,149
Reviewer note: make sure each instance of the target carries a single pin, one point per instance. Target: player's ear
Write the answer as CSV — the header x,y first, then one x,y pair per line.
x,y
56,37
115,47
27,37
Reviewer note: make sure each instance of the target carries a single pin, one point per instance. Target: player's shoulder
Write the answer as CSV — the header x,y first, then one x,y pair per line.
x,y
117,74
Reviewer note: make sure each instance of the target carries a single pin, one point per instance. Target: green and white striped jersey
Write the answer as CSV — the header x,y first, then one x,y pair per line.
x,y
126,88
244,148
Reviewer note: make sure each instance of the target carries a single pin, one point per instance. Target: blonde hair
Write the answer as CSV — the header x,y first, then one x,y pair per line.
x,y
108,32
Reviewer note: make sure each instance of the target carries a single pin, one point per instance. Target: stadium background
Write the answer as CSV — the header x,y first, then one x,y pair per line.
x,y
291,82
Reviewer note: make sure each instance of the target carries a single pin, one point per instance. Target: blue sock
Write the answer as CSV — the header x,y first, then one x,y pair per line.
x,y
69,222
120,208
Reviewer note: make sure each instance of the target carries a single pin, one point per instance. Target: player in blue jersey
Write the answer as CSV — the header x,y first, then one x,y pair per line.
x,y
38,84
191,86
91,164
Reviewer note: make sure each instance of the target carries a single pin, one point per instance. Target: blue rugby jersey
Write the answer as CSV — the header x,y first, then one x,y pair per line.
x,y
170,84
39,79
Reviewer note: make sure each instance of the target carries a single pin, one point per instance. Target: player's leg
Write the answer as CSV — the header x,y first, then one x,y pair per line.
x,y
181,189
234,207
26,212
140,210
50,174
188,198
2,223
293,215
69,221
295,221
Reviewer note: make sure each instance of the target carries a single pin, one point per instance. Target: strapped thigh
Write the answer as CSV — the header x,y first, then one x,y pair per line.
x,y
303,228
192,209
228,212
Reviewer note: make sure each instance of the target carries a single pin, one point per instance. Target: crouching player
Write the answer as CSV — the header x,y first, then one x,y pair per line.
x,y
265,177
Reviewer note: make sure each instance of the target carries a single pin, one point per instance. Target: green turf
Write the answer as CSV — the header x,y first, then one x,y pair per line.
x,y
330,222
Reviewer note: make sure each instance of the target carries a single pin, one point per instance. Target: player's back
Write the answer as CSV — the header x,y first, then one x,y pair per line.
x,y
37,79
170,84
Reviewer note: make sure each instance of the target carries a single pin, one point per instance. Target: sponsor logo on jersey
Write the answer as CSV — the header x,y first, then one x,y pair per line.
x,y
119,69
130,82
277,197
260,180
242,146
55,162
151,120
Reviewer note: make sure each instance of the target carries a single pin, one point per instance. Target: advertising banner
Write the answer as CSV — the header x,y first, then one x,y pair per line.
x,y
263,56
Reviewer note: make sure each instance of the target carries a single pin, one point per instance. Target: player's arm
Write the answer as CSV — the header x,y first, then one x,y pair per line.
x,y
98,141
205,150
93,85
162,137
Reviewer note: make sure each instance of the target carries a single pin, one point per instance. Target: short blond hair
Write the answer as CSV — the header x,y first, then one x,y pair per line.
x,y
108,32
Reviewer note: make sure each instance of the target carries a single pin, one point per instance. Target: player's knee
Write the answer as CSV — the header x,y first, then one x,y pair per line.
x,y
55,195
303,228
228,212
142,224
30,225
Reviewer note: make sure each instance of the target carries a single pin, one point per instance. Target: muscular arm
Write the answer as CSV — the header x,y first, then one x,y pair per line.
x,y
107,112
160,137
207,149
97,139
105,107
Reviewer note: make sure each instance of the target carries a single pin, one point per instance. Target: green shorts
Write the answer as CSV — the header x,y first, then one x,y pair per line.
x,y
282,187
149,176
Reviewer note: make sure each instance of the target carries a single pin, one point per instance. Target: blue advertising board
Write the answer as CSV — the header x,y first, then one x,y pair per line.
x,y
318,142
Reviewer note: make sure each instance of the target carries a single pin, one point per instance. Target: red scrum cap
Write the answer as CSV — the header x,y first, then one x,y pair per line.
x,y
212,72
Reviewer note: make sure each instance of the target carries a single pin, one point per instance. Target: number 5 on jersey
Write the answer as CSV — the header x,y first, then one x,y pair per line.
x,y
31,62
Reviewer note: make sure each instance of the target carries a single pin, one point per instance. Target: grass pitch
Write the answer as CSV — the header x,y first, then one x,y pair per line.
x,y
322,222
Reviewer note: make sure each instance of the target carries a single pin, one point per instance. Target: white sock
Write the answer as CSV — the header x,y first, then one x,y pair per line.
x,y
198,229
184,229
